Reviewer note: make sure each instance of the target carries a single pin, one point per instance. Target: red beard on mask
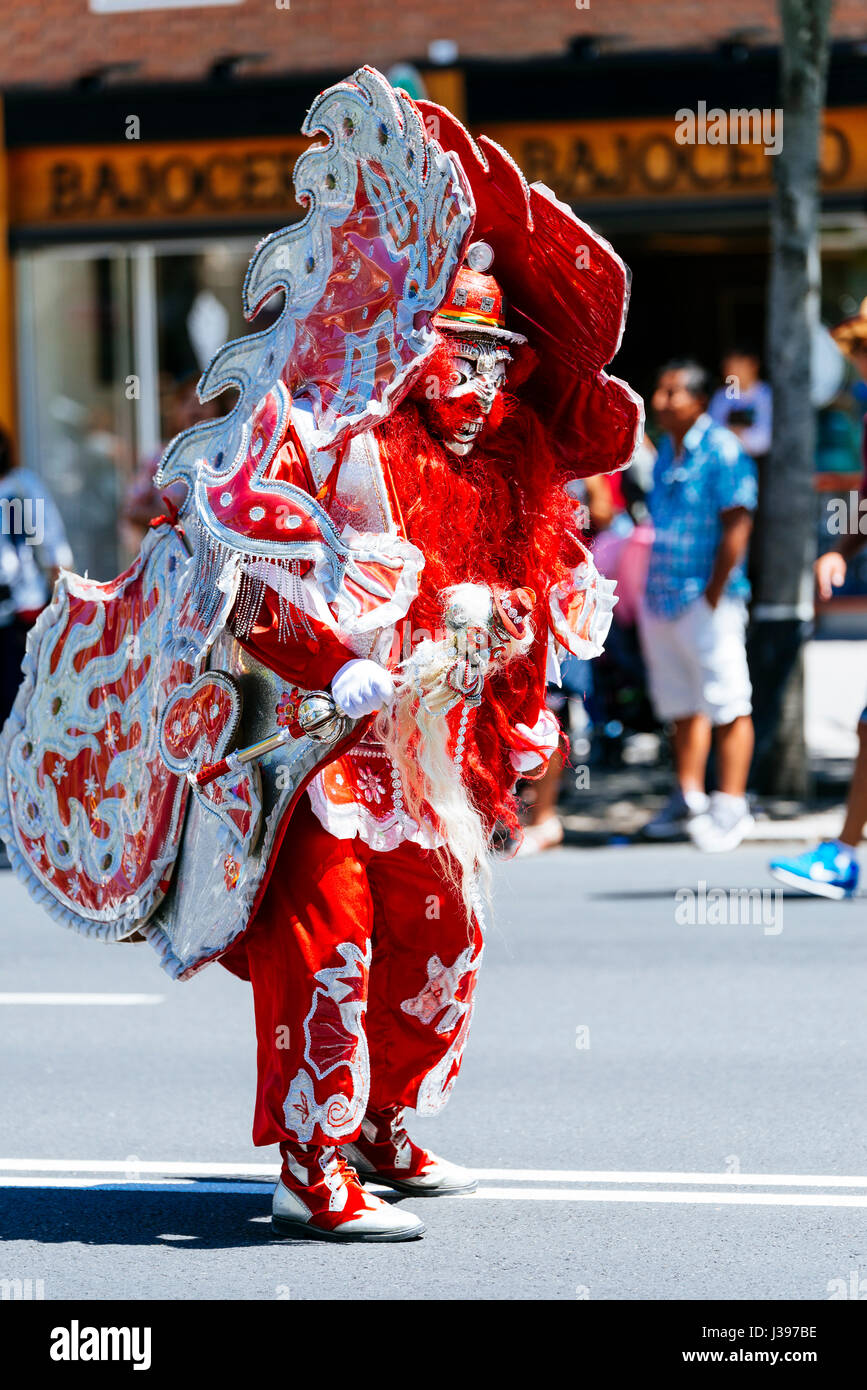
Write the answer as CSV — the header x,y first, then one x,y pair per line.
x,y
497,516
445,417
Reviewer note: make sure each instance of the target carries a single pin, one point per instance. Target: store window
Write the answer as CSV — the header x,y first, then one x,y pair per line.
x,y
77,421
112,342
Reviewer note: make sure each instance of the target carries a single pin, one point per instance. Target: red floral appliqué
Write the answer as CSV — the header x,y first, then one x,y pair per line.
x,y
287,708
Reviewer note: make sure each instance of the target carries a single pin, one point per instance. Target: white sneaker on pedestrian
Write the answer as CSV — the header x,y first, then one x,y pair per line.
x,y
723,826
673,820
548,834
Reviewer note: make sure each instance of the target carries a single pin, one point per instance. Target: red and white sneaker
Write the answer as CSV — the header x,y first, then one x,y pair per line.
x,y
319,1197
385,1153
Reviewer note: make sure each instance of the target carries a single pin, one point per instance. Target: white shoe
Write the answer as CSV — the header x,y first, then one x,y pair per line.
x,y
723,826
673,821
336,1207
438,1178
546,835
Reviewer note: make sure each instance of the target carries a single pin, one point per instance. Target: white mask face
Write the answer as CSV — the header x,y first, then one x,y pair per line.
x,y
480,367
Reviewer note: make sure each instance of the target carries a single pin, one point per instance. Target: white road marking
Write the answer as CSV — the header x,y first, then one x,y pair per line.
x,y
59,998
679,1179
176,1167
735,1199
150,1185
133,1165
512,1194
575,1185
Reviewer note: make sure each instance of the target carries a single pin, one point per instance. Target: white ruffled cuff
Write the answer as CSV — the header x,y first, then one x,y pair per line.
x,y
545,735
581,609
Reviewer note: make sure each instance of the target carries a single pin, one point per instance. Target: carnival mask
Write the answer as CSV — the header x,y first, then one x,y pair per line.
x,y
472,321
478,379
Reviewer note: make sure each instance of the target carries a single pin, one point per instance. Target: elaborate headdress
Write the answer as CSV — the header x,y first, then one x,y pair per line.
x,y
567,289
476,303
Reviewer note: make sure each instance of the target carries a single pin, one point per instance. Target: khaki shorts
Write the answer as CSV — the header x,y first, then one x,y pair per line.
x,y
697,662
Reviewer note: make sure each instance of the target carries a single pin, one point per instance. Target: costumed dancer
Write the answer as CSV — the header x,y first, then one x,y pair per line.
x,y
345,636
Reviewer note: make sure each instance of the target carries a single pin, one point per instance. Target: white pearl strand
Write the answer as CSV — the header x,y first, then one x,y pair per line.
x,y
462,732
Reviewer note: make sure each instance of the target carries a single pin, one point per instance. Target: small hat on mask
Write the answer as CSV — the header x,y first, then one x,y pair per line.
x,y
476,305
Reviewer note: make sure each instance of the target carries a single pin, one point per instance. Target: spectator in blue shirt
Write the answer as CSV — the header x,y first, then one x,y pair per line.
x,y
693,624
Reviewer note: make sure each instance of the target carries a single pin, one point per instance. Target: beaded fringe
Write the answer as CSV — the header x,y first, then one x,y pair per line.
x,y
209,558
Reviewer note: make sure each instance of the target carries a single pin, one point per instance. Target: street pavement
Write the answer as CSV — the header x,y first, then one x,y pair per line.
x,y
664,1091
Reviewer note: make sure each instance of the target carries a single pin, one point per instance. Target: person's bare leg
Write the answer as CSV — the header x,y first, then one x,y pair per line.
x,y
856,806
691,745
547,789
543,828
734,747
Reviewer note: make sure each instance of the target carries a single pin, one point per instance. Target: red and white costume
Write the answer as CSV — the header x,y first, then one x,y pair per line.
x,y
196,759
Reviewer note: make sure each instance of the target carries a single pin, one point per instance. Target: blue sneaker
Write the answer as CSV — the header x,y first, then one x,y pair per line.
x,y
823,871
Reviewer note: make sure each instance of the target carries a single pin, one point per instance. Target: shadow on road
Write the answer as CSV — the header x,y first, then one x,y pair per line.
x,y
195,1216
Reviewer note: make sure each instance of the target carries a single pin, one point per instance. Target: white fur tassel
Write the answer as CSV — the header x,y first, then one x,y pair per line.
x,y
433,777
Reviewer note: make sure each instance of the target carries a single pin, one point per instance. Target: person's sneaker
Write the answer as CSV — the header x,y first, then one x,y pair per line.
x,y
672,822
319,1197
723,825
827,871
537,838
384,1153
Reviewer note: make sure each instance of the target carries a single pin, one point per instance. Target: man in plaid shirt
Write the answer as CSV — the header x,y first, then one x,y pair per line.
x,y
693,624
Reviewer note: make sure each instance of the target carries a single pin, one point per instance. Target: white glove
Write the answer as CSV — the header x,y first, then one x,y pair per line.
x,y
545,734
362,687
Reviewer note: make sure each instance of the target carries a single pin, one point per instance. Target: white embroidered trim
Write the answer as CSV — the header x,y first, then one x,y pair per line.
x,y
339,1115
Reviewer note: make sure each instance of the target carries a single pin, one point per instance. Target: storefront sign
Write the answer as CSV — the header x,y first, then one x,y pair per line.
x,y
582,162
644,159
143,183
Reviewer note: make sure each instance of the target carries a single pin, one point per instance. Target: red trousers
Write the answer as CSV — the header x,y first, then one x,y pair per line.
x,y
363,968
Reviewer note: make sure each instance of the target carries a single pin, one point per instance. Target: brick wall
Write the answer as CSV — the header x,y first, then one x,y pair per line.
x,y
55,41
